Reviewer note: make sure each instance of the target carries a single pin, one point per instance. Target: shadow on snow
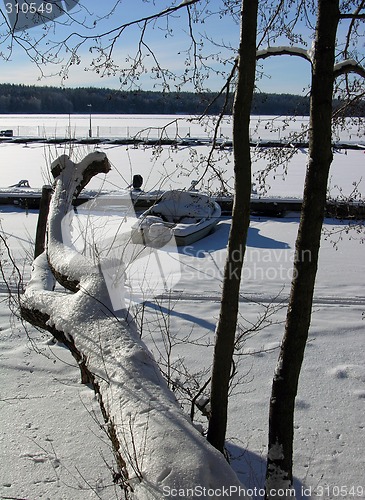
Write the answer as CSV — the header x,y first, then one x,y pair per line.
x,y
219,238
251,470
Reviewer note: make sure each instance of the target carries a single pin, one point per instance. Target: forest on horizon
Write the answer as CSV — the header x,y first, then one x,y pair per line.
x,y
32,99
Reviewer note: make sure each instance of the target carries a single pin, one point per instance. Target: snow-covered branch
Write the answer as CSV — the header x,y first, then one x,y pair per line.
x,y
355,16
70,179
284,51
341,68
348,66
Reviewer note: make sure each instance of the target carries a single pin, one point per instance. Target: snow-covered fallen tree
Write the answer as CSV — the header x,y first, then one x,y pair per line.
x,y
158,451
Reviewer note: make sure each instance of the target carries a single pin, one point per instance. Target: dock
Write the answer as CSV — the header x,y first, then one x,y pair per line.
x,y
138,139
29,198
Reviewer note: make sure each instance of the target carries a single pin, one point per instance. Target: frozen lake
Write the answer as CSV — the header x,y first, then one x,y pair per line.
x,y
168,167
171,126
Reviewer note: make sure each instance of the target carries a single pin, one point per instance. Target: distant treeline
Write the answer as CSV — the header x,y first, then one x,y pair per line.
x,y
24,99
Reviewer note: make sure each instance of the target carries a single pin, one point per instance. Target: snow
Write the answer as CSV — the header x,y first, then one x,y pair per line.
x,y
280,50
61,216
53,443
147,419
347,64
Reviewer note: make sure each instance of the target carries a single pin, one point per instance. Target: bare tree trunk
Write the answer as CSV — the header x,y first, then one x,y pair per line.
x,y
285,383
227,323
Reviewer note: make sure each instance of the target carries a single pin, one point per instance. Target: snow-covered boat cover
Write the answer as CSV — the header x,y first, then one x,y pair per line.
x,y
175,205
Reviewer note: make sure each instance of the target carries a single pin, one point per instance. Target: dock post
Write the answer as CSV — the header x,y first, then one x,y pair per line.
x,y
42,221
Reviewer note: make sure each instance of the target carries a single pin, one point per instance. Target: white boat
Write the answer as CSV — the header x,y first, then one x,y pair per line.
x,y
186,216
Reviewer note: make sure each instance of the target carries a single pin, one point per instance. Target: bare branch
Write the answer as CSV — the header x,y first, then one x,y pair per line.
x,y
352,16
271,22
117,31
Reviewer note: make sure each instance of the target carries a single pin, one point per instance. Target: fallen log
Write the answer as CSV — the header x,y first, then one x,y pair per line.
x,y
157,450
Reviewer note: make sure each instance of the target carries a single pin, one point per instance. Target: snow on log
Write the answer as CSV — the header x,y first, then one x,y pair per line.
x,y
70,179
157,449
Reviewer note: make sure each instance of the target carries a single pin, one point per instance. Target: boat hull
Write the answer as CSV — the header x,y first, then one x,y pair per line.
x,y
189,239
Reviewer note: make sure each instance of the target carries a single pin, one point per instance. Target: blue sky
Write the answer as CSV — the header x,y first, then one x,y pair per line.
x,y
281,74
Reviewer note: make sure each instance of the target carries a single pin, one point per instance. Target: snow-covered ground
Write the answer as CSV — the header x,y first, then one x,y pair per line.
x,y
52,446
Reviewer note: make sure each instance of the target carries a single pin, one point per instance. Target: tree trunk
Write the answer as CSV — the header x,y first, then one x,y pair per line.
x,y
284,389
226,327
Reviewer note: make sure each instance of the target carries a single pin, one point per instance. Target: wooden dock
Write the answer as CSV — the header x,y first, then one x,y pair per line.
x,y
222,143
267,206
